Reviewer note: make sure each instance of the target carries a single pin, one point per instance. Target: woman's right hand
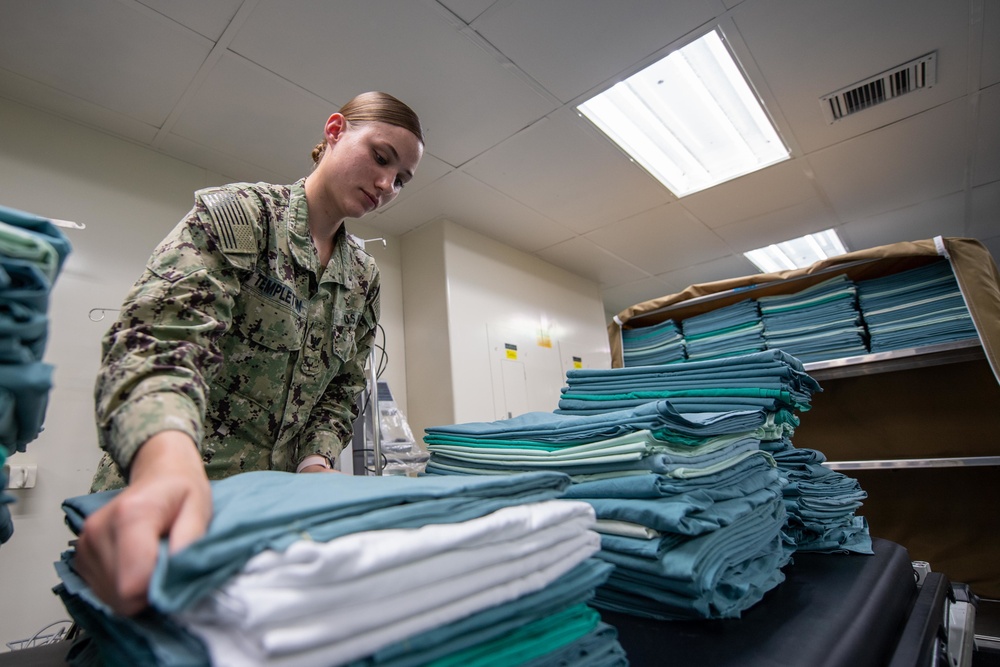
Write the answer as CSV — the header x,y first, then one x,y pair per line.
x,y
168,496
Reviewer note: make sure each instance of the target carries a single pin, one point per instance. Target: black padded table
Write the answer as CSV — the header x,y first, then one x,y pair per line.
x,y
832,610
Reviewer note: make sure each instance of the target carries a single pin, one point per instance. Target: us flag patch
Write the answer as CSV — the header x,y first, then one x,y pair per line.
x,y
231,223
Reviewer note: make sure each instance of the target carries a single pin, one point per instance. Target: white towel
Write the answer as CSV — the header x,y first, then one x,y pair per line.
x,y
335,602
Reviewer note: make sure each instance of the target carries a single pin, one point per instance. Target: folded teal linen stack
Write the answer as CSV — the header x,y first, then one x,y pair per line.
x,y
32,252
690,510
922,306
657,344
771,380
694,509
335,570
815,324
724,332
821,503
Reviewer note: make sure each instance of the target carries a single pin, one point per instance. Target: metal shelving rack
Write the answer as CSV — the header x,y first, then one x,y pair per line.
x,y
900,360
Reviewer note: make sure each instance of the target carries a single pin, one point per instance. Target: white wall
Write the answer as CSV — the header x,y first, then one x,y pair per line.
x,y
466,294
129,197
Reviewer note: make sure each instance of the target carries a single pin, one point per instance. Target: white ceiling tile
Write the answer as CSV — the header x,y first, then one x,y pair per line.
x,y
113,55
582,257
986,149
810,48
993,245
944,216
471,204
617,299
661,239
467,10
985,211
724,268
776,187
571,46
789,223
205,18
990,68
232,168
916,159
284,116
466,98
59,103
565,171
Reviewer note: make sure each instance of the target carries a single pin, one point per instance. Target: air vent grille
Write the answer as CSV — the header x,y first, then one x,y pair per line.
x,y
906,78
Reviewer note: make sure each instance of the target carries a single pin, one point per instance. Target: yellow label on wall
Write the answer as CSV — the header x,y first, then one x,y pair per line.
x,y
577,362
511,351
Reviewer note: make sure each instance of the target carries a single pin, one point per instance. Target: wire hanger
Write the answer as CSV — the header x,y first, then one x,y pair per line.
x,y
69,224
100,312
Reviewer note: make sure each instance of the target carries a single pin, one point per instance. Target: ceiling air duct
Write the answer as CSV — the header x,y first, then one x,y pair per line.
x,y
905,78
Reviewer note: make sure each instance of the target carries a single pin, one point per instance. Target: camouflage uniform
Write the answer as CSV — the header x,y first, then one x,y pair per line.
x,y
237,336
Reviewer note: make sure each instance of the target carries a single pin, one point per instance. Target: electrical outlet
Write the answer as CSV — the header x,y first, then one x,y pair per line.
x,y
21,475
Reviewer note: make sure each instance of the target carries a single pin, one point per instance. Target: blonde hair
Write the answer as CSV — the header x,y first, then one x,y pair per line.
x,y
376,107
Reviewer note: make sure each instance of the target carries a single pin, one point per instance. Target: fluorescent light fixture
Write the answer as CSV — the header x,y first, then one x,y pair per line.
x,y
690,119
797,253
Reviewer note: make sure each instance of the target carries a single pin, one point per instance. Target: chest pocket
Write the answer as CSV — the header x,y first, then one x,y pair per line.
x,y
349,314
260,350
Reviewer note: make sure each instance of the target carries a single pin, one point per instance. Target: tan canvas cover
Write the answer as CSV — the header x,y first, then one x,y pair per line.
x,y
972,263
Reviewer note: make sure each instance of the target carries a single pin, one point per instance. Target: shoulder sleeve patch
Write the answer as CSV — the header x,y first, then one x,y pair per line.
x,y
232,223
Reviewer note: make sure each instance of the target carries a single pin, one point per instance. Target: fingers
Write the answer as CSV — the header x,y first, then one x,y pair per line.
x,y
168,496
116,553
192,519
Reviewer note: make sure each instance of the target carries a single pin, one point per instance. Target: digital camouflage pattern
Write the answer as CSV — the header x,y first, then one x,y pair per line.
x,y
237,336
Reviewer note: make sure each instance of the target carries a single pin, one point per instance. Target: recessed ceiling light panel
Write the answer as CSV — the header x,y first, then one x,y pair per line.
x,y
691,119
797,253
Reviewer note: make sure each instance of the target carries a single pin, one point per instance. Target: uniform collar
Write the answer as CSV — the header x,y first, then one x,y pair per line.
x,y
301,245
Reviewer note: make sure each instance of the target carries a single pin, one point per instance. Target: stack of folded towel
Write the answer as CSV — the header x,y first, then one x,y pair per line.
x,y
658,344
770,380
337,570
700,496
689,508
922,306
821,503
815,324
723,332
32,252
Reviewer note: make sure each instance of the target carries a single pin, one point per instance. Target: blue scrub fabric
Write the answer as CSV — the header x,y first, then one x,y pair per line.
x,y
268,509
43,230
731,330
821,503
658,344
32,253
575,587
261,510
655,416
697,537
715,575
817,323
6,523
922,306
770,380
24,399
